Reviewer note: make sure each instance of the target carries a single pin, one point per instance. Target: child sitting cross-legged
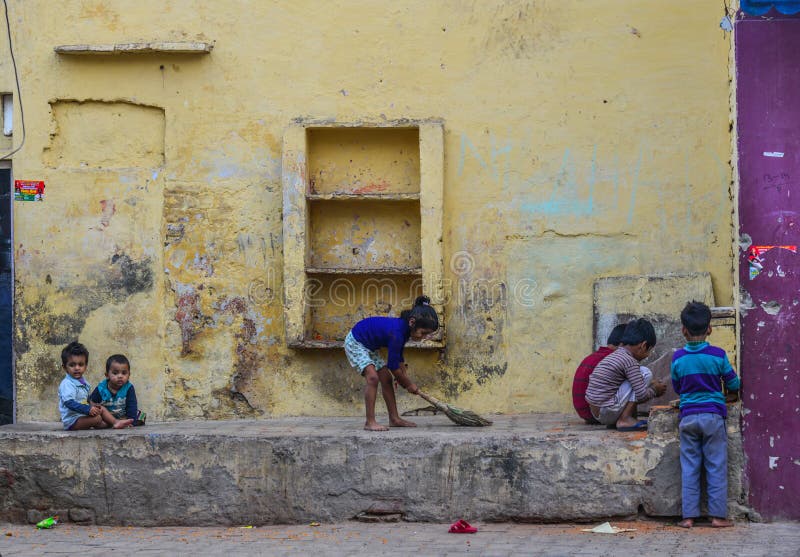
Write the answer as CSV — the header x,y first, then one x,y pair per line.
x,y
73,394
116,392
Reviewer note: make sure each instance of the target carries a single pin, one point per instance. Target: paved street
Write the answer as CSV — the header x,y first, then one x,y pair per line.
x,y
354,538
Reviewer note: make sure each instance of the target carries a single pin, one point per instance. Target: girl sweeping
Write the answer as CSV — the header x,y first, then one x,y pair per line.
x,y
373,333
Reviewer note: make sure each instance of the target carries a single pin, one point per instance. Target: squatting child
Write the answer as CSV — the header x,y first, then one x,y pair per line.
x,y
581,380
698,370
116,392
618,383
373,333
73,394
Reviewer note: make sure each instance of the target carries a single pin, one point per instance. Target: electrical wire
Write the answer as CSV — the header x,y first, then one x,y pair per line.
x,y
16,78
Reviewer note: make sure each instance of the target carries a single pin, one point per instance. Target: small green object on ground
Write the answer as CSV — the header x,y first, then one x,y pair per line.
x,y
47,522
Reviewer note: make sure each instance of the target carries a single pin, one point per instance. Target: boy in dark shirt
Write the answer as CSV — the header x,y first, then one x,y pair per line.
x,y
116,392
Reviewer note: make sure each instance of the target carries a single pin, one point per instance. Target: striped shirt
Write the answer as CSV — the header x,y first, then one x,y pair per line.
x,y
609,375
698,370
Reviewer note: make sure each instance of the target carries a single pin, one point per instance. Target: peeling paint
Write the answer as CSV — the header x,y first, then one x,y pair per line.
x,y
544,197
773,462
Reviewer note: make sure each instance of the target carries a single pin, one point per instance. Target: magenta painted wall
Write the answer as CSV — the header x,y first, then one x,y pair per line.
x,y
768,96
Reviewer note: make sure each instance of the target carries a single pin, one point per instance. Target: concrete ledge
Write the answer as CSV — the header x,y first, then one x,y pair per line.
x,y
538,467
157,47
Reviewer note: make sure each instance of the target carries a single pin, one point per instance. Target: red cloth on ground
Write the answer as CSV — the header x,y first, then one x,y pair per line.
x,y
581,381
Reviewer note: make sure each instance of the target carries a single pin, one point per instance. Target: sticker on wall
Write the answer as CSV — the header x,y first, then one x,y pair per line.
x,y
28,190
757,262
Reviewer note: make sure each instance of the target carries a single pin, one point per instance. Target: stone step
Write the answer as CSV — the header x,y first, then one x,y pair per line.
x,y
534,467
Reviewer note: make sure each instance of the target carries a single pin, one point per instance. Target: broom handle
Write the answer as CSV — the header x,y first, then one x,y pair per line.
x,y
428,397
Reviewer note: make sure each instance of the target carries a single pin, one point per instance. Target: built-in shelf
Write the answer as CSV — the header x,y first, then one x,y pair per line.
x,y
362,196
160,47
356,201
364,271
328,344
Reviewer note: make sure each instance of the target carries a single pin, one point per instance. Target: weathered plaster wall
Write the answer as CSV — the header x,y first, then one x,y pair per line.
x,y
579,142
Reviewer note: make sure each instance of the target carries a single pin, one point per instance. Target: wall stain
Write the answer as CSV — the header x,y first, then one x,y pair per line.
x,y
129,276
189,317
249,362
109,283
112,284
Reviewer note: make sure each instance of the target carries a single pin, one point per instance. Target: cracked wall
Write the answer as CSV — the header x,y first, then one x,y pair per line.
x,y
574,149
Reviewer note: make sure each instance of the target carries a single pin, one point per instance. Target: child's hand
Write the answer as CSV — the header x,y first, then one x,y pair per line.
x,y
413,389
732,396
94,411
659,387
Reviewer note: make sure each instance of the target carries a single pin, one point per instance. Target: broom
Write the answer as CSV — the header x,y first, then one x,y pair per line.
x,y
456,414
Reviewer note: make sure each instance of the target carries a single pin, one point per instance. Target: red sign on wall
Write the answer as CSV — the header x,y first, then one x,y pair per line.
x,y
28,190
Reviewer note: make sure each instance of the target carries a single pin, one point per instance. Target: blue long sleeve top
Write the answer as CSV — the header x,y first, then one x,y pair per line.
x,y
391,333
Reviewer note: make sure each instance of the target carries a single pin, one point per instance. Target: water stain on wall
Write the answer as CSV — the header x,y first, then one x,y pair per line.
x,y
56,315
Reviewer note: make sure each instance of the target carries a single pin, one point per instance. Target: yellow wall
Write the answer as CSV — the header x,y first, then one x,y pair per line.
x,y
581,140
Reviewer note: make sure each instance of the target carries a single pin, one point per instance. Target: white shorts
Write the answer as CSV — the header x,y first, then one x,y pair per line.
x,y
360,356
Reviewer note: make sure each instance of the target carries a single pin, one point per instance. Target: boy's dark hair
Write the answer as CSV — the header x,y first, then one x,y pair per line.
x,y
117,359
638,331
696,317
74,348
615,338
424,315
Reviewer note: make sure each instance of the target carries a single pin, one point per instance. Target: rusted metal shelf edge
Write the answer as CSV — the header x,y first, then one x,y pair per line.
x,y
362,196
328,344
159,47
417,271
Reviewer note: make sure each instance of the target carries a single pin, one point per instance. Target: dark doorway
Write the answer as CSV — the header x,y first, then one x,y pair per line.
x,y
6,300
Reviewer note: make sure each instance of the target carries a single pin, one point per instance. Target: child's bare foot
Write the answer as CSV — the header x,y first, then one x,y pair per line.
x,y
721,523
686,523
121,424
399,422
375,426
626,422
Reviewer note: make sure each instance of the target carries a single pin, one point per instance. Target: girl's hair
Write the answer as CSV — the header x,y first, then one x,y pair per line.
x,y
424,315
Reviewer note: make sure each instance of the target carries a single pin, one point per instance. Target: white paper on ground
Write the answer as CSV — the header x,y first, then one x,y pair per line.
x,y
606,528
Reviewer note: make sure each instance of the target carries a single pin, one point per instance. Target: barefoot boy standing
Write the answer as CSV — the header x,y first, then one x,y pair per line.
x,y
73,394
698,370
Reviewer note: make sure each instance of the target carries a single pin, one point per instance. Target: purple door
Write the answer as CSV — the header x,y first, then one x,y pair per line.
x,y
768,98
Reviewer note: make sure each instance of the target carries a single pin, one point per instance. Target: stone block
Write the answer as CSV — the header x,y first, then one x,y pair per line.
x,y
534,467
85,516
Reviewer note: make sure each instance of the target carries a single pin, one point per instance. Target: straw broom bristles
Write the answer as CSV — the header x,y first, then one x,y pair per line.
x,y
456,414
